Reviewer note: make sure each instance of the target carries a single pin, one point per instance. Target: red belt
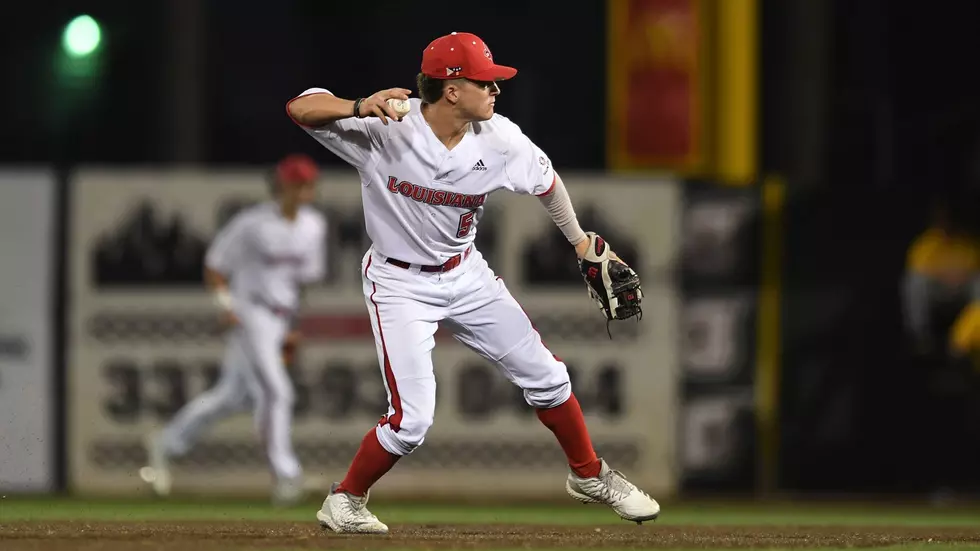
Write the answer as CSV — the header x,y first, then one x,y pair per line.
x,y
277,310
444,267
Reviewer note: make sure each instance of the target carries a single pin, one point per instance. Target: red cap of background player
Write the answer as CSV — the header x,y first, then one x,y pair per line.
x,y
296,168
462,55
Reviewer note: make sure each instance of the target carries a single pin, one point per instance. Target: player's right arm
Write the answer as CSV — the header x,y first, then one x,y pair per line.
x,y
349,129
318,107
217,285
223,257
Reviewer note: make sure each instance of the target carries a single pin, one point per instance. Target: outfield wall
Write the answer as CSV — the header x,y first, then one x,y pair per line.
x,y
143,339
28,424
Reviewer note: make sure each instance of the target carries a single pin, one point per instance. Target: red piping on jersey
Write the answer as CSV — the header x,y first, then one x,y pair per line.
x,y
395,420
552,188
290,115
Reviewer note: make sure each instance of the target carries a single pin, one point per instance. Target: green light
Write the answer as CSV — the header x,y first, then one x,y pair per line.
x,y
81,37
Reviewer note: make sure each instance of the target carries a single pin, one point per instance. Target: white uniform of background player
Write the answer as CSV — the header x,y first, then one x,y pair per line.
x,y
424,180
256,266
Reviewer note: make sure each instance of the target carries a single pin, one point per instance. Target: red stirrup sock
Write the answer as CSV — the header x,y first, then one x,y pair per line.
x,y
568,424
370,463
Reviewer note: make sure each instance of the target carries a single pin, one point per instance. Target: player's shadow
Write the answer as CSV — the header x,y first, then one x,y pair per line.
x,y
550,260
146,250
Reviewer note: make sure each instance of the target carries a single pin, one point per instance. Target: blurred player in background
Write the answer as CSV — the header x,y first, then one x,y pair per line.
x,y
942,284
941,292
255,269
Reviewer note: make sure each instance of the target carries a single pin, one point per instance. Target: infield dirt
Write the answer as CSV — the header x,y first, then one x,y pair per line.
x,y
242,535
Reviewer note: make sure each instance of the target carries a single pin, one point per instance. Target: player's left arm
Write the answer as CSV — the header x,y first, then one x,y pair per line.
x,y
612,284
529,171
223,256
559,206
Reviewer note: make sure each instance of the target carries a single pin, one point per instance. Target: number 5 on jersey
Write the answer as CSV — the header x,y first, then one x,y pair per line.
x,y
465,223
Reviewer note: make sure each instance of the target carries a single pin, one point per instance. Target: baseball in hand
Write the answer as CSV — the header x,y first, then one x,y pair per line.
x,y
400,106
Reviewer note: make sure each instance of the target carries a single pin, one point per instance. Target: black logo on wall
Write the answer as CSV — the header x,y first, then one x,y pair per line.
x,y
14,347
550,260
151,248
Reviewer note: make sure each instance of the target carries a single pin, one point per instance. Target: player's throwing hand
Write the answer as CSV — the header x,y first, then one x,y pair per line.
x,y
376,105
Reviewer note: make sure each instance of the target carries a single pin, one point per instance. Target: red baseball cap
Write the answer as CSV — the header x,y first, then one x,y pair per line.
x,y
296,168
462,55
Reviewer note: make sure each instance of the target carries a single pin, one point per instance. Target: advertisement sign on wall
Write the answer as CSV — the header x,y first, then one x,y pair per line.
x,y
145,339
719,266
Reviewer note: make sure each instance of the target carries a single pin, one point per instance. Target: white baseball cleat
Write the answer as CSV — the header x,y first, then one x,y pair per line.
x,y
611,488
157,473
348,514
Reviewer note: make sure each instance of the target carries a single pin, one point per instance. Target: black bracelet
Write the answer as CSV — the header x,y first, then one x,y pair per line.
x,y
357,107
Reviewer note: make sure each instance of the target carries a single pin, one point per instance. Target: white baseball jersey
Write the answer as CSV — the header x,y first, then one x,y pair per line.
x,y
422,201
266,256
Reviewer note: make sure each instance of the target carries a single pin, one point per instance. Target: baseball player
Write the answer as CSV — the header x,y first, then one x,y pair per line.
x,y
425,177
255,268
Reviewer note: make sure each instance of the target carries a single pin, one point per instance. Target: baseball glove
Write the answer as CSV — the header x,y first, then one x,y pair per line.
x,y
612,284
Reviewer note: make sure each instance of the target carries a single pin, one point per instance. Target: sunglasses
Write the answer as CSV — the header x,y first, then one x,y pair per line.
x,y
484,84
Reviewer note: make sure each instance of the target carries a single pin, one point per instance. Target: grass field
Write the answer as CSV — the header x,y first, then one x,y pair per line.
x,y
110,525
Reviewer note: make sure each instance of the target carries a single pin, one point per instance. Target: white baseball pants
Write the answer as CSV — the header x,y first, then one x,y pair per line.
x,y
252,375
406,307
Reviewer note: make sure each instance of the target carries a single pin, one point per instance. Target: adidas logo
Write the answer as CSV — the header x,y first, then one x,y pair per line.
x,y
479,165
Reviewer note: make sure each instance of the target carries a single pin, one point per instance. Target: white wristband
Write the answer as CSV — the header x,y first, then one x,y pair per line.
x,y
222,298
